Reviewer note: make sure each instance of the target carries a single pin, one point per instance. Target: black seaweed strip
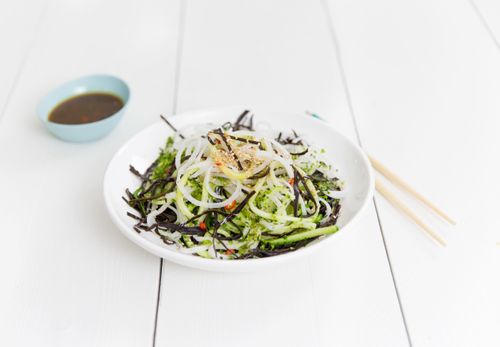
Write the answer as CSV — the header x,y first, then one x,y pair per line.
x,y
171,126
151,167
213,245
168,178
227,219
202,214
240,122
281,250
181,228
300,153
336,212
237,210
241,117
156,184
227,125
146,198
163,237
134,216
236,226
221,191
221,134
135,172
309,194
242,139
317,176
135,206
212,142
147,174
260,174
332,220
296,193
129,194
167,216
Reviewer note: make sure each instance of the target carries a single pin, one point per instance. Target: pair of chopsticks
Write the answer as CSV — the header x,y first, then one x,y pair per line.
x,y
396,202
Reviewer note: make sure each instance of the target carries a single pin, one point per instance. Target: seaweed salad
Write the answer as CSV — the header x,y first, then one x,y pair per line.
x,y
236,191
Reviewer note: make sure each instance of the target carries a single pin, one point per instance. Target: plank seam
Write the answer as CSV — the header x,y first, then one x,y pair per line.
x,y
157,301
392,271
24,59
485,24
180,46
345,86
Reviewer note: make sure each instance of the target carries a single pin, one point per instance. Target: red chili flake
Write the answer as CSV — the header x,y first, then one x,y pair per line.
x,y
230,252
203,226
291,181
230,206
217,141
218,163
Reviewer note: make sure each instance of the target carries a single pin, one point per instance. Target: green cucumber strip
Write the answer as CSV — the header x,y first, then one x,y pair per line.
x,y
302,236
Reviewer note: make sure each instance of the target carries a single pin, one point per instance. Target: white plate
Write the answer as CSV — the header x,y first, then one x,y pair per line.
x,y
143,148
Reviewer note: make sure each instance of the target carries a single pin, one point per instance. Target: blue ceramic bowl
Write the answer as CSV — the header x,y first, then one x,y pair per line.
x,y
87,131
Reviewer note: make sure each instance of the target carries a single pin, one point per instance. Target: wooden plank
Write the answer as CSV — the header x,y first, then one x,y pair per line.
x,y
19,22
276,55
424,79
69,278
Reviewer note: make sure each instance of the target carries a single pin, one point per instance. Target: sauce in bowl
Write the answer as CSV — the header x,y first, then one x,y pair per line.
x,y
86,108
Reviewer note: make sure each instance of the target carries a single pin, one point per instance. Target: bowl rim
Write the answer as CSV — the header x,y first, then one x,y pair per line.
x,y
232,265
44,116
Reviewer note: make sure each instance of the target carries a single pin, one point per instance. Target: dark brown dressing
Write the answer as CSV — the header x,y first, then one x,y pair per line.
x,y
86,108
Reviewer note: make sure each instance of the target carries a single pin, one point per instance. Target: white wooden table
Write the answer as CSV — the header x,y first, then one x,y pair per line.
x,y
416,82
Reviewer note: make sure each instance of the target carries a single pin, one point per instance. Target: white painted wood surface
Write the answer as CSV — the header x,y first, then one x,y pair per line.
x,y
488,12
20,21
68,277
251,54
422,78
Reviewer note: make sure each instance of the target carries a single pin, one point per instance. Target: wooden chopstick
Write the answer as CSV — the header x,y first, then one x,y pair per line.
x,y
398,203
382,189
391,176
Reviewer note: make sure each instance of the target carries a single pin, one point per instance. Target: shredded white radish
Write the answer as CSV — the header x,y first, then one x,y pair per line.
x,y
187,195
327,208
151,217
285,163
235,192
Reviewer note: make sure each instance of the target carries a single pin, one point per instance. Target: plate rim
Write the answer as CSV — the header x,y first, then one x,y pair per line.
x,y
217,264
